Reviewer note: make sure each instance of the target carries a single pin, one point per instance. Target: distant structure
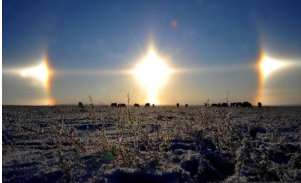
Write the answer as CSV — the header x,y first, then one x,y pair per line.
x,y
153,105
213,105
247,104
113,104
80,104
147,105
178,105
259,104
238,104
186,105
136,105
121,105
234,104
225,105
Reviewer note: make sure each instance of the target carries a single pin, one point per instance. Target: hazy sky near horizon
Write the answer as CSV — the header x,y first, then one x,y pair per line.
x,y
91,45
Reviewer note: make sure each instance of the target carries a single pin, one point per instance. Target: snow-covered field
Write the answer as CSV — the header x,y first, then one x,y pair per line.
x,y
161,144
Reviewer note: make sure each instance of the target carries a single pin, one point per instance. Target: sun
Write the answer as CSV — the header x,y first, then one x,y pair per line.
x,y
152,72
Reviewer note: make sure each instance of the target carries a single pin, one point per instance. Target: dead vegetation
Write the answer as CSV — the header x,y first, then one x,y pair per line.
x,y
103,144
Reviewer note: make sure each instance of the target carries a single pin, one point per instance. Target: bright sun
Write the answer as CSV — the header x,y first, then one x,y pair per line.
x,y
152,73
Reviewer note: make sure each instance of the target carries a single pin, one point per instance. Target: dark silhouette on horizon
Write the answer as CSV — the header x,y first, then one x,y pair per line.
x,y
247,104
234,104
113,104
238,104
121,105
225,105
213,105
259,105
80,104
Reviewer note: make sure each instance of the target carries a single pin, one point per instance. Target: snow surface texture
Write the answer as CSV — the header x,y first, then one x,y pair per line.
x,y
161,144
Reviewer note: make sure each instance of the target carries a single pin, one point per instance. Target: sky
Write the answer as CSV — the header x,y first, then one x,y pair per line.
x,y
59,52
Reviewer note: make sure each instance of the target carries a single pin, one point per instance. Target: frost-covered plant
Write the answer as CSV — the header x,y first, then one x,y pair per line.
x,y
195,144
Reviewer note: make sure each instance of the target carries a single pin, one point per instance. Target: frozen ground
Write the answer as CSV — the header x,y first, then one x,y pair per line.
x,y
161,144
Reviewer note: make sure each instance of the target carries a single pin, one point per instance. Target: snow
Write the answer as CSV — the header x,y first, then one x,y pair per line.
x,y
161,144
